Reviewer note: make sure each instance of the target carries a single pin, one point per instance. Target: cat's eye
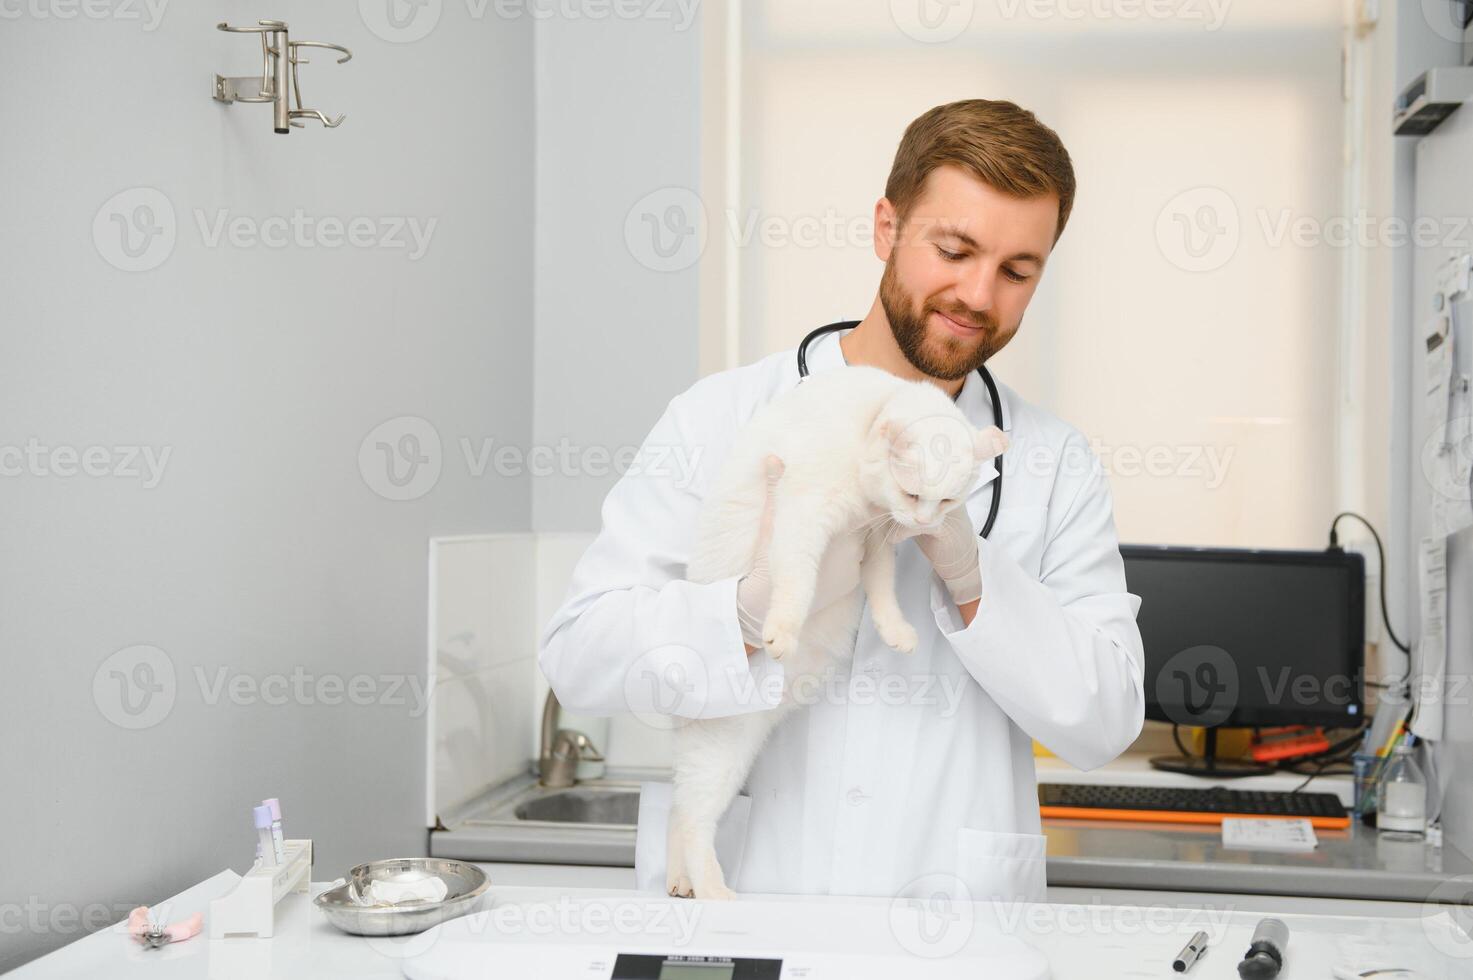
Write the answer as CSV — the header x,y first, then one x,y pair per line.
x,y
914,496
948,501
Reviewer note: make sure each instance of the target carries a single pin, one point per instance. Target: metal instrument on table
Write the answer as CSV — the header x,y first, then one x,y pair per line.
x,y
155,936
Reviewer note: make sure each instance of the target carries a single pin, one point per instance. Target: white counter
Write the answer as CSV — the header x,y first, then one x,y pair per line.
x,y
1082,941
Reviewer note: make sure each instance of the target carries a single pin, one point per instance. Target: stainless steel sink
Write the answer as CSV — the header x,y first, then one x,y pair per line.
x,y
583,804
595,802
592,822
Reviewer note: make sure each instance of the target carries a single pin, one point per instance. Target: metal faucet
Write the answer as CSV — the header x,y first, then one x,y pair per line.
x,y
561,749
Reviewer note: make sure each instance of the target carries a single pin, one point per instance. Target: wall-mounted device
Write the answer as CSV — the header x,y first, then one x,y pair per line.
x,y
277,83
1429,99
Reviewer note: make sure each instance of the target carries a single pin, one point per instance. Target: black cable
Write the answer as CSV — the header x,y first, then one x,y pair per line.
x,y
1176,737
1381,556
1311,777
1340,751
1337,752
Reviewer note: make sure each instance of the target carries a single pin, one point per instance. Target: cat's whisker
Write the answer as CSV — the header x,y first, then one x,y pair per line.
x,y
882,518
883,521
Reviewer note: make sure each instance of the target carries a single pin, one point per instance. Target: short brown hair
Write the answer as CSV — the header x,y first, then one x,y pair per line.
x,y
999,143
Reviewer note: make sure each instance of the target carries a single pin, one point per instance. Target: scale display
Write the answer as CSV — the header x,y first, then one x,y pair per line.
x,y
640,966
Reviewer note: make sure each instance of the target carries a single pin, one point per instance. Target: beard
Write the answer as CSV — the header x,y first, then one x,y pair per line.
x,y
943,357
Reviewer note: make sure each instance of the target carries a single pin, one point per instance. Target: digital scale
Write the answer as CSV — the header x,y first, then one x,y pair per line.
x,y
750,938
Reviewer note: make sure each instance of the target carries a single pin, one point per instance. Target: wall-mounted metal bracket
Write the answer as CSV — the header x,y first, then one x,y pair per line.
x,y
278,83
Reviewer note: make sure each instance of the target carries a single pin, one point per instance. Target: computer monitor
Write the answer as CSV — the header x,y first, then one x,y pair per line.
x,y
1243,637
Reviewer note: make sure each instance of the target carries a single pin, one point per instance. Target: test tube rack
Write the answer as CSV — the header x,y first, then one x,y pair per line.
x,y
250,908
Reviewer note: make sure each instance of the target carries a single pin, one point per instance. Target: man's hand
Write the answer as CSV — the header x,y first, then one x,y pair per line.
x,y
754,590
952,550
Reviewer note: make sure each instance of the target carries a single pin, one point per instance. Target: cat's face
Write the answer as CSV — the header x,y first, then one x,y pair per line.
x,y
932,461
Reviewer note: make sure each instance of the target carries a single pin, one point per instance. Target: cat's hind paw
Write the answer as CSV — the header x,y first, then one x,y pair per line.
x,y
717,893
679,887
897,634
780,636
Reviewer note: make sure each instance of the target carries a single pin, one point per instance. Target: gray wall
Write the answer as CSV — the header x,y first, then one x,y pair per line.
x,y
1443,189
264,549
1418,47
618,125
1438,188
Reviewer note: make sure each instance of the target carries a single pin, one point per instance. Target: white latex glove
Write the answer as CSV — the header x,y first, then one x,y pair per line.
x,y
836,578
952,549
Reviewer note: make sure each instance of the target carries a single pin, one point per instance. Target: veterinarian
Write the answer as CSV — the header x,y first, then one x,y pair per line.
x,y
914,770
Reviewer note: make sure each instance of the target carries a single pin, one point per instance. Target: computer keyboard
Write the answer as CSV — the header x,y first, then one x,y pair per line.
x,y
1172,804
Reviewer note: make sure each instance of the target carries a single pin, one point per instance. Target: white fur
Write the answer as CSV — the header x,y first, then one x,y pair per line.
x,y
856,443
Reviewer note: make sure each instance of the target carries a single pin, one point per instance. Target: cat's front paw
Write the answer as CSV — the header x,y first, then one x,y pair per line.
x,y
897,633
716,893
678,886
780,635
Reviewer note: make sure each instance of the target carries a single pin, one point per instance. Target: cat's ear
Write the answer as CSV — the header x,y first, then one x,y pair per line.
x,y
989,442
893,433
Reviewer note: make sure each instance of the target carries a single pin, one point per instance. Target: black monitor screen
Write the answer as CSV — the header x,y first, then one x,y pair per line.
x,y
1248,637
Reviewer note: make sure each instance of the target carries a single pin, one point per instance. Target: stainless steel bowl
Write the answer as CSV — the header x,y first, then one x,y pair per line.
x,y
466,885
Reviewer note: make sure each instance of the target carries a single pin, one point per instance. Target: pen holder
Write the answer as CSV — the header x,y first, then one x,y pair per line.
x,y
1366,766
250,908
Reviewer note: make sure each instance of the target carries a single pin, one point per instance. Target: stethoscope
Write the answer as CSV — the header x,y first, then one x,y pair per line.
x,y
986,379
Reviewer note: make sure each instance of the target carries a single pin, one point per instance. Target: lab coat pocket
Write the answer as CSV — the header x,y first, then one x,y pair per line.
x,y
998,867
650,840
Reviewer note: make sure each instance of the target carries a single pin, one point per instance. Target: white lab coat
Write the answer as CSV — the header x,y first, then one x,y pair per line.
x,y
912,765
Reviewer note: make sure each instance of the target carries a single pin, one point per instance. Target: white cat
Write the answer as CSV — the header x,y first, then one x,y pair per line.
x,y
864,453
